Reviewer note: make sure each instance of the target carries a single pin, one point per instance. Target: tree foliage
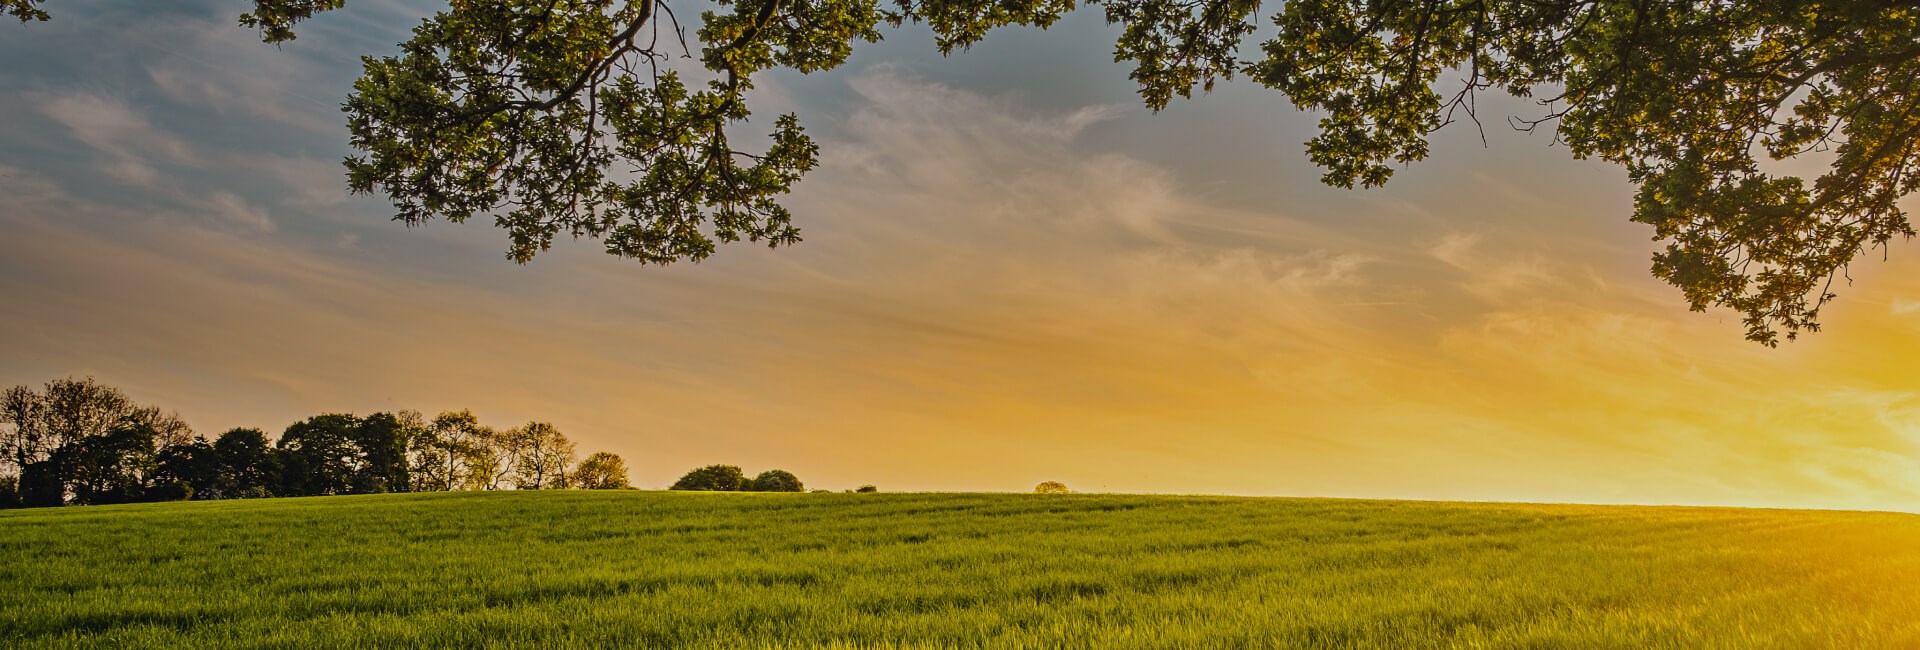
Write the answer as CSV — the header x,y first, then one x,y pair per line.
x,y
600,471
75,441
448,453
569,118
543,457
713,478
1050,487
248,465
777,480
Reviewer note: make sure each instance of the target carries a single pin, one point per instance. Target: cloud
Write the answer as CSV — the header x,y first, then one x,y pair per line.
x,y
112,128
236,210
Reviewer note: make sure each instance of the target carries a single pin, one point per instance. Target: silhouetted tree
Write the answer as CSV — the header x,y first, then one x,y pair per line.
x,y
867,488
43,483
318,456
36,423
601,471
777,480
111,468
1050,487
75,439
713,478
186,471
382,440
248,465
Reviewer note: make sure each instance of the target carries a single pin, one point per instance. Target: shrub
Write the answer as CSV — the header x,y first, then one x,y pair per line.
x,y
713,478
777,480
867,488
1050,487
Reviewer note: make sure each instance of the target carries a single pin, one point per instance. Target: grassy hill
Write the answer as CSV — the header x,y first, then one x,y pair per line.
x,y
651,569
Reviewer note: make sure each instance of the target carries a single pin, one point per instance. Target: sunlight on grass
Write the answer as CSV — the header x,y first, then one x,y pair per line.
x,y
634,569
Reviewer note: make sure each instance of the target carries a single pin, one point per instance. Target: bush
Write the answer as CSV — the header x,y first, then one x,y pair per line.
x,y
777,480
713,478
867,488
1050,487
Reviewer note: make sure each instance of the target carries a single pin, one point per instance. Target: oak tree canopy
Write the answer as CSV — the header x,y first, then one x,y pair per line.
x,y
565,116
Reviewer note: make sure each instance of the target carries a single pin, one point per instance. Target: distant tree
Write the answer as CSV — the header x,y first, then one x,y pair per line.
x,y
601,471
112,468
36,423
249,467
319,457
777,480
713,478
382,440
78,435
450,453
495,465
867,488
543,456
166,427
23,433
189,470
1050,487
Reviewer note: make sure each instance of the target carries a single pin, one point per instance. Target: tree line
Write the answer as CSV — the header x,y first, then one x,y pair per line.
x,y
77,442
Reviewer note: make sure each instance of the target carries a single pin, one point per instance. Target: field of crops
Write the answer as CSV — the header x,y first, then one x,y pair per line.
x,y
654,569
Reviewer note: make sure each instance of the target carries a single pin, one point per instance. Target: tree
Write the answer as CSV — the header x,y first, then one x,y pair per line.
x,y
533,112
23,440
382,440
189,470
248,465
496,461
543,457
777,480
601,471
63,412
79,440
1050,487
167,427
713,478
112,468
318,456
866,488
449,452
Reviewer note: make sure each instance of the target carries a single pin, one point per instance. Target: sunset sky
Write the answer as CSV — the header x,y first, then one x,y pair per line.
x,y
1013,272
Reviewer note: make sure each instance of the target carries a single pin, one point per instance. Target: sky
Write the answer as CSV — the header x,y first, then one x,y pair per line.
x,y
1012,272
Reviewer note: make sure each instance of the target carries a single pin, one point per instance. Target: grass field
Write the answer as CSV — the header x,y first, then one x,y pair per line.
x,y
652,569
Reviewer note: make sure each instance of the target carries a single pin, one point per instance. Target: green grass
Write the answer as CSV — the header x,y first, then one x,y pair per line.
x,y
651,569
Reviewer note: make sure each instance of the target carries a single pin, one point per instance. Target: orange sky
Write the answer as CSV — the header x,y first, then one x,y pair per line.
x,y
1003,281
